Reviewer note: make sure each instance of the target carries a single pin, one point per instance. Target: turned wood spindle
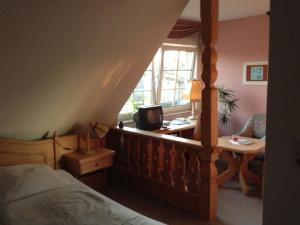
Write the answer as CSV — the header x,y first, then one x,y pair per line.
x,y
145,156
166,175
135,153
179,169
193,170
156,169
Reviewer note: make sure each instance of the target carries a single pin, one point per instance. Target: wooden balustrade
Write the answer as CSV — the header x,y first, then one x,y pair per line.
x,y
166,166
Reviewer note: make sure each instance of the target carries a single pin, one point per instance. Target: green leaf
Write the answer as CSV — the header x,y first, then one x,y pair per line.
x,y
228,104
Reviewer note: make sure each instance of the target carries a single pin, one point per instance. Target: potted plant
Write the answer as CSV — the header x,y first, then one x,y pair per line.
x,y
227,104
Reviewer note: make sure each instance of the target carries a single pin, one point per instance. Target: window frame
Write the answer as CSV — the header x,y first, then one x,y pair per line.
x,y
178,47
156,90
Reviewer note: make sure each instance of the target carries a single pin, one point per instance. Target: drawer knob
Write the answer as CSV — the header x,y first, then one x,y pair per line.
x,y
96,164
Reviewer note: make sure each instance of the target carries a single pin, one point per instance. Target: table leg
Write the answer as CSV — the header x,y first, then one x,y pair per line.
x,y
233,168
245,174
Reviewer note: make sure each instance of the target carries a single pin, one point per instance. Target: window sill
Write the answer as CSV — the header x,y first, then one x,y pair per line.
x,y
174,115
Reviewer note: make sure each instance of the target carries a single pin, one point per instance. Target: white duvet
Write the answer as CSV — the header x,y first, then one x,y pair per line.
x,y
38,195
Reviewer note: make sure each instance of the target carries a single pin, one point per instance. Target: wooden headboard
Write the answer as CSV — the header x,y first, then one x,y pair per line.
x,y
64,145
49,151
14,152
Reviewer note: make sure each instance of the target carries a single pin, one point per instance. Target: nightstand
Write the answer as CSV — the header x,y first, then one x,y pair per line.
x,y
91,168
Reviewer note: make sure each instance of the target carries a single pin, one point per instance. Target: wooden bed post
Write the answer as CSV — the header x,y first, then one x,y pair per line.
x,y
209,115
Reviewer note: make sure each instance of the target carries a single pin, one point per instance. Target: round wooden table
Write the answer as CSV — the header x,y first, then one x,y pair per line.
x,y
238,157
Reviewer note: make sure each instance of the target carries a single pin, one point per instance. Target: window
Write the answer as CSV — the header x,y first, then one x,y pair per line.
x,y
164,81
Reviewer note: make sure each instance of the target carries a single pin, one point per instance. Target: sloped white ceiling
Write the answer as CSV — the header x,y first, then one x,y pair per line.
x,y
65,63
229,9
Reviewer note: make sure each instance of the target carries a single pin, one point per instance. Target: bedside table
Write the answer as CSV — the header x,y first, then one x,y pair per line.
x,y
91,168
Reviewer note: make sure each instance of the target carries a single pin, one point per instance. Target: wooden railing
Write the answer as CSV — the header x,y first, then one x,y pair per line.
x,y
175,169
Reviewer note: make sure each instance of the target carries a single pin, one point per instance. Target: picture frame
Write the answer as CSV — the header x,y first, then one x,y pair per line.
x,y
255,73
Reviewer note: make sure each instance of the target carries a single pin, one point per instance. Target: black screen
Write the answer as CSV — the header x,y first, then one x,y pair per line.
x,y
154,116
149,117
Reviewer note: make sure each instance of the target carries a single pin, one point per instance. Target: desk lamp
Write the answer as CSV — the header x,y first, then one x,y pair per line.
x,y
195,96
88,145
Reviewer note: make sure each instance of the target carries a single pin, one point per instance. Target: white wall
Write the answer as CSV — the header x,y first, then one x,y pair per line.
x,y
282,180
65,63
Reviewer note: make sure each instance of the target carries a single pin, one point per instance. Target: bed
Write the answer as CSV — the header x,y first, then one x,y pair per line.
x,y
32,192
35,194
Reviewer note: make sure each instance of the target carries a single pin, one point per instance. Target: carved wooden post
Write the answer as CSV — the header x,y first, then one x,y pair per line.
x,y
209,115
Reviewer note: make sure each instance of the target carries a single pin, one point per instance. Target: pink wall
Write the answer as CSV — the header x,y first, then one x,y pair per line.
x,y
240,41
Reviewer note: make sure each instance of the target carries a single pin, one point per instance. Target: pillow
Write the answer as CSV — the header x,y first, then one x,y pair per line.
x,y
27,179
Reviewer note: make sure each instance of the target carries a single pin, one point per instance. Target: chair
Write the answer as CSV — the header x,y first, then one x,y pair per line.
x,y
255,127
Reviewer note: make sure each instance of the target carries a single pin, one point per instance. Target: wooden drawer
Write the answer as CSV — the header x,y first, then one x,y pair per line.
x,y
79,164
96,164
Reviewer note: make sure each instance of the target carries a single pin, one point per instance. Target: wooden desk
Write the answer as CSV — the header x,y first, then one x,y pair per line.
x,y
183,130
238,163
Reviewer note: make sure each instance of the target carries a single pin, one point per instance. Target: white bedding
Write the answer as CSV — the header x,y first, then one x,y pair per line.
x,y
57,199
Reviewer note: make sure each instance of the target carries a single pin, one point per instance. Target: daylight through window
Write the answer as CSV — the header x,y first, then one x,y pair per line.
x,y
165,80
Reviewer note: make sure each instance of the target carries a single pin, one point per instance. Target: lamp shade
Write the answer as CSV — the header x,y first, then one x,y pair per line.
x,y
195,94
101,130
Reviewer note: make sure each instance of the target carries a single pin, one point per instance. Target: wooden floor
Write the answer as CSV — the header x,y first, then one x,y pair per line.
x,y
234,208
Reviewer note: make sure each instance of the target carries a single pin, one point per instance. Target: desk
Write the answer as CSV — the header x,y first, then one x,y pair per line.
x,y
183,130
238,157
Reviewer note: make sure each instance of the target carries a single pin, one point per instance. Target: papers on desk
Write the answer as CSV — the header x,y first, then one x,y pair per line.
x,y
166,123
241,142
179,121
